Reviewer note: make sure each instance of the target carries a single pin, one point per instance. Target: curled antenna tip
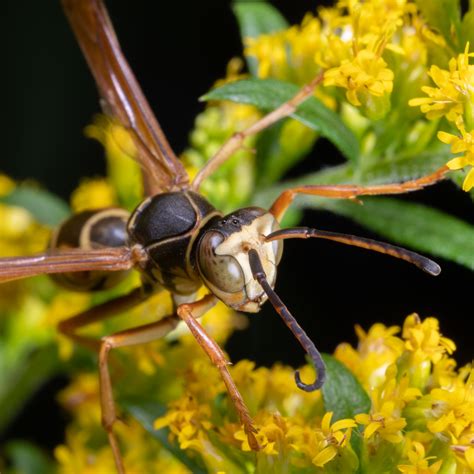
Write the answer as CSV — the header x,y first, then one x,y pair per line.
x,y
316,385
431,267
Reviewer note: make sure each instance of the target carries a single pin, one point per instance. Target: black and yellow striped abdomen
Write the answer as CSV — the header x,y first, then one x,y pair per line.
x,y
91,229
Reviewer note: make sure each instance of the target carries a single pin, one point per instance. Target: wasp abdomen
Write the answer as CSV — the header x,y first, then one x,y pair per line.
x,y
91,229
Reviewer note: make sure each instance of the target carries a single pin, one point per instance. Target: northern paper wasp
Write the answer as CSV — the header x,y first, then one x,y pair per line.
x,y
175,238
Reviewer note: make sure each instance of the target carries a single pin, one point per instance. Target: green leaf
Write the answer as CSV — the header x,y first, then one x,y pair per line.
x,y
146,412
402,168
394,171
445,16
268,94
29,376
342,392
255,19
46,208
25,458
414,225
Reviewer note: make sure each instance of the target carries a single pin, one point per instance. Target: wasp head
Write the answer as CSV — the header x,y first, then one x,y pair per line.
x,y
223,260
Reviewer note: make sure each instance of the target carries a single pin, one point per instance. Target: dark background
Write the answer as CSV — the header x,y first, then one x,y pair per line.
x,y
177,50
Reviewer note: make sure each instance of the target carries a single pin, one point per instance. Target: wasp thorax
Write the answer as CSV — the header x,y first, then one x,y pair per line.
x,y
223,262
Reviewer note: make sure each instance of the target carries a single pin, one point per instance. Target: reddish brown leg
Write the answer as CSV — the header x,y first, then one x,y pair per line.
x,y
350,191
129,337
236,140
188,313
106,310
139,335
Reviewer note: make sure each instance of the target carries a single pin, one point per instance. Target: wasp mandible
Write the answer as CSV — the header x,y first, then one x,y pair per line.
x,y
175,238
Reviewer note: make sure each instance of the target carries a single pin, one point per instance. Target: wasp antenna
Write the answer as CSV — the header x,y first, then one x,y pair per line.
x,y
290,321
425,264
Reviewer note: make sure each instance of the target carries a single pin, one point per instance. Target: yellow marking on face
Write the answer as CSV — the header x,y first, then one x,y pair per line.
x,y
237,245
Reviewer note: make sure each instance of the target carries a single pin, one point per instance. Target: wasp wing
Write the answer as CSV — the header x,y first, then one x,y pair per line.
x,y
122,97
110,259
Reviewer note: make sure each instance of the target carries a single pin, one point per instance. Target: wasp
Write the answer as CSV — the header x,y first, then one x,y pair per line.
x,y
175,238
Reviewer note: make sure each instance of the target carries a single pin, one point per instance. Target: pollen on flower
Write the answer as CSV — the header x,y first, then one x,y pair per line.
x,y
366,73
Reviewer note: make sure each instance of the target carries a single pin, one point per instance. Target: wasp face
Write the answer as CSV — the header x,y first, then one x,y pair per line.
x,y
223,262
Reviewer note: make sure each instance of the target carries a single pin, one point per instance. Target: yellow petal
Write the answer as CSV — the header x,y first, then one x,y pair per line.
x,y
419,101
457,163
326,421
362,418
459,146
447,137
325,456
161,423
469,454
343,424
468,181
393,438
370,429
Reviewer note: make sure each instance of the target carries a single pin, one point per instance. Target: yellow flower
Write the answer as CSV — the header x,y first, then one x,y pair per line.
x,y
377,349
334,436
288,54
444,372
452,408
366,73
465,454
271,53
75,458
87,452
383,423
424,341
188,421
20,234
94,193
65,304
396,389
418,462
272,429
461,144
453,95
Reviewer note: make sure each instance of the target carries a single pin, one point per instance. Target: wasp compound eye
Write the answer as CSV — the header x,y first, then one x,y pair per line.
x,y
222,271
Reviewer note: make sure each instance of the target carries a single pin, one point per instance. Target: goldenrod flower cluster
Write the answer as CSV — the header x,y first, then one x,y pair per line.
x,y
453,98
380,53
421,418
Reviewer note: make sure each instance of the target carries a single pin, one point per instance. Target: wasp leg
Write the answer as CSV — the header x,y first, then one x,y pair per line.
x,y
139,335
188,312
106,310
129,337
236,140
350,191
